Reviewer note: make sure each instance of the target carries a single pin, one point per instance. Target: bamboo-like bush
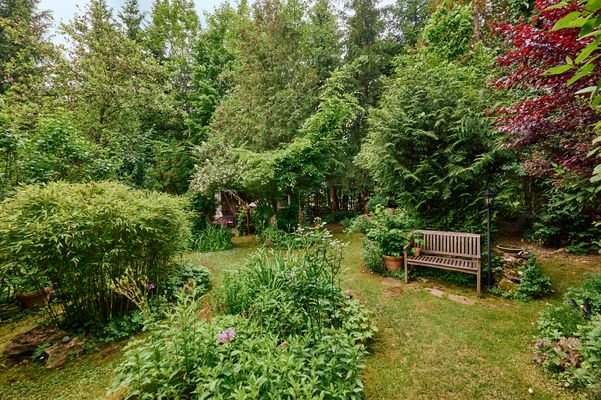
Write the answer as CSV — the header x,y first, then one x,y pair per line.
x,y
82,237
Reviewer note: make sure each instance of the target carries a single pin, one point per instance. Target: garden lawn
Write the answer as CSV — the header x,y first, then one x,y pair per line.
x,y
427,347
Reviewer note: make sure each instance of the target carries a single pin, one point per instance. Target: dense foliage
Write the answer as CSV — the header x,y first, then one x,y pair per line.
x,y
429,146
285,98
292,334
551,124
568,337
213,238
82,237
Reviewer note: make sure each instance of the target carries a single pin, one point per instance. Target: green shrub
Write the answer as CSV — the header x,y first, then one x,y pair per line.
x,y
589,291
360,224
276,238
231,357
203,209
390,230
212,238
338,216
534,282
590,337
377,200
568,341
562,320
372,256
195,278
290,293
82,237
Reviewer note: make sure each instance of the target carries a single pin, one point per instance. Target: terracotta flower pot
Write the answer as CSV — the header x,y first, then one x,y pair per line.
x,y
35,298
393,263
417,251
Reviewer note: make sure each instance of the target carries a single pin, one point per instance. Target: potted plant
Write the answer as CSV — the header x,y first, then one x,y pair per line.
x,y
31,292
391,242
33,298
418,242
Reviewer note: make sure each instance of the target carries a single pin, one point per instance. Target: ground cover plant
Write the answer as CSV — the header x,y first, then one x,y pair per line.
x,y
569,336
287,332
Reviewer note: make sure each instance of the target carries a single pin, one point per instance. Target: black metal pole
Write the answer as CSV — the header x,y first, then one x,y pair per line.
x,y
488,243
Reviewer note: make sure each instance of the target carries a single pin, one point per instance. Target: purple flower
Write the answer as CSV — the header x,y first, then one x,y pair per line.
x,y
150,286
226,336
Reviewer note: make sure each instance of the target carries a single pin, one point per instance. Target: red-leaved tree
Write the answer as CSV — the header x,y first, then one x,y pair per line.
x,y
550,124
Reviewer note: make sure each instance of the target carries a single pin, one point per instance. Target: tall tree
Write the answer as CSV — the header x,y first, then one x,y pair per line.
x,y
406,19
107,81
324,39
215,55
551,125
171,35
26,55
430,146
131,18
276,85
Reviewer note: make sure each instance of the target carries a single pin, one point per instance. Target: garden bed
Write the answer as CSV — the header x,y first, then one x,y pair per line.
x,y
427,347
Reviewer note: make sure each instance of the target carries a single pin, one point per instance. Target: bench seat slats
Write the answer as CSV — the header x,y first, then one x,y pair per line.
x,y
456,263
455,251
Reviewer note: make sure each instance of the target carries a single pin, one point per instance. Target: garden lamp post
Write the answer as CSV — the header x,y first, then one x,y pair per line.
x,y
490,198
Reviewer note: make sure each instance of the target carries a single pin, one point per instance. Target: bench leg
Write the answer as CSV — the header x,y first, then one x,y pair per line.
x,y
406,273
478,284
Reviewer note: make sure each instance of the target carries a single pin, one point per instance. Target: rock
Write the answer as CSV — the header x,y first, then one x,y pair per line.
x,y
423,280
388,281
23,345
393,291
435,292
507,285
513,275
59,353
66,339
461,299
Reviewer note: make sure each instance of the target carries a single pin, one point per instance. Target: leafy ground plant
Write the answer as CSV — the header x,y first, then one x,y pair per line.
x,y
568,344
291,334
232,357
212,238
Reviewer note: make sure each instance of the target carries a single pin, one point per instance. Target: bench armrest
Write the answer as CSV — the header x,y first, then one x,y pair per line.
x,y
407,247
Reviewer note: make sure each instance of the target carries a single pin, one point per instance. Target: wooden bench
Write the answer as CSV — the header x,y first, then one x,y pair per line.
x,y
454,251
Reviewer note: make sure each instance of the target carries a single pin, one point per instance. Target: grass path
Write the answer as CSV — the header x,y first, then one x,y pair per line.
x,y
427,347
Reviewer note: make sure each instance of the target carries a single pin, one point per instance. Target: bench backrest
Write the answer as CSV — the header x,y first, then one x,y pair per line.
x,y
457,244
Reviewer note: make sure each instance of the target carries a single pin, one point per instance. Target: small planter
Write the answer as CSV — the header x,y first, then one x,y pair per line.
x,y
36,298
417,251
393,263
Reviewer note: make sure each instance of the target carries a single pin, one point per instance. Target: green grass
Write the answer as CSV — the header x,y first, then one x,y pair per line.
x,y
426,348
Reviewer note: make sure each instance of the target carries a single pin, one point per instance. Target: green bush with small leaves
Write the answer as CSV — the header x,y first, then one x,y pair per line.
x,y
83,237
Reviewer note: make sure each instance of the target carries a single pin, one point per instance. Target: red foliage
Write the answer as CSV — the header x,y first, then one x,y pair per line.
x,y
553,124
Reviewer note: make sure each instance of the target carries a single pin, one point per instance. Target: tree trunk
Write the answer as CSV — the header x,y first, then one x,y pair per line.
x,y
334,198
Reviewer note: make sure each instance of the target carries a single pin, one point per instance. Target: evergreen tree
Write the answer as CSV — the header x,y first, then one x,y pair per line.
x,y
131,18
